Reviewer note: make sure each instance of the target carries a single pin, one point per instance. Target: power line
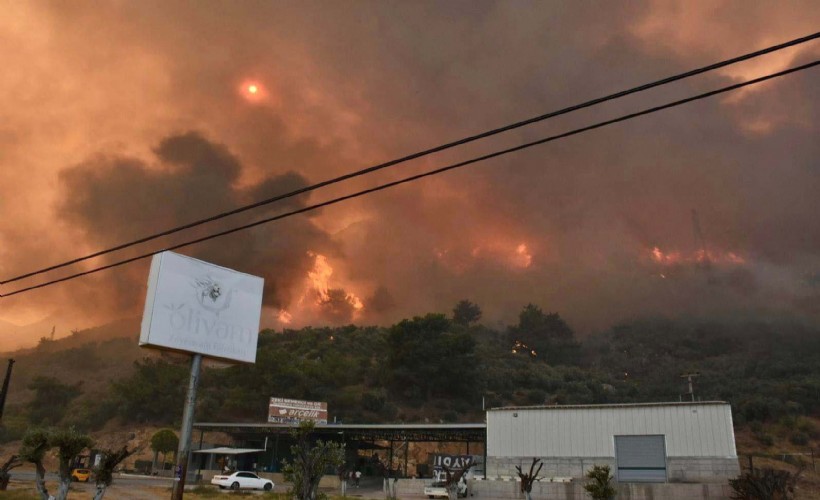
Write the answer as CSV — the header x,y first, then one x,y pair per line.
x,y
449,145
427,174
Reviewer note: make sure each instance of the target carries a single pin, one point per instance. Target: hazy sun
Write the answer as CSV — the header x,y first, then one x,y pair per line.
x,y
253,91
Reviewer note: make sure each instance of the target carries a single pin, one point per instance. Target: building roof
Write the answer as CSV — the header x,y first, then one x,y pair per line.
x,y
228,451
468,432
608,406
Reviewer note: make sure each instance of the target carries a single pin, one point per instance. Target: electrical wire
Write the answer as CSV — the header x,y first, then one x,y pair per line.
x,y
426,152
428,174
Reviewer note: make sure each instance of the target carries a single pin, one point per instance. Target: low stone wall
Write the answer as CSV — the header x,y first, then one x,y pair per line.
x,y
574,490
504,490
679,469
569,467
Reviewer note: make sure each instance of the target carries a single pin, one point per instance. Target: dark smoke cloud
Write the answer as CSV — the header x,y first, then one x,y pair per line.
x,y
117,199
349,87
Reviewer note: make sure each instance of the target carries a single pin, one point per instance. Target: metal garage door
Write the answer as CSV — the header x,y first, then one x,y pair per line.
x,y
641,458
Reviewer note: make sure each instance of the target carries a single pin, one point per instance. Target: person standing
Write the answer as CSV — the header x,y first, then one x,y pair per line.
x,y
357,477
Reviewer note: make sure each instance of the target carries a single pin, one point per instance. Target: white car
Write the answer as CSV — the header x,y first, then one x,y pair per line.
x,y
239,480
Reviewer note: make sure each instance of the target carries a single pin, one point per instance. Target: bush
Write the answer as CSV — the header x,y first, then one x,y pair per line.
x,y
764,484
764,439
600,486
799,438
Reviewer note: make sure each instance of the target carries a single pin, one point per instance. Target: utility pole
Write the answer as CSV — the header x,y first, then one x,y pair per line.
x,y
5,389
688,377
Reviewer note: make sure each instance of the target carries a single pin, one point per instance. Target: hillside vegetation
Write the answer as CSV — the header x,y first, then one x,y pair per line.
x,y
430,369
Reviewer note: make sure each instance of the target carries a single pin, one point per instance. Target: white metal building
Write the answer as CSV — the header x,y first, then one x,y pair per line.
x,y
654,442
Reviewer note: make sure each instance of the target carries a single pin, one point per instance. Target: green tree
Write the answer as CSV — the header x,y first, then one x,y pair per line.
x,y
33,450
310,462
51,399
466,313
164,441
69,443
104,473
544,336
599,485
426,359
153,394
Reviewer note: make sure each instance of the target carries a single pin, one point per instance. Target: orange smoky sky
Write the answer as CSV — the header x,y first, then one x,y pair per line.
x,y
123,118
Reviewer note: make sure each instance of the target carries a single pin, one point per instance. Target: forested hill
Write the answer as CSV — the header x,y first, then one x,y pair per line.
x,y
430,369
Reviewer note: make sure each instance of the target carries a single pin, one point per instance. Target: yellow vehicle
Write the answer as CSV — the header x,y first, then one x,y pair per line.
x,y
81,475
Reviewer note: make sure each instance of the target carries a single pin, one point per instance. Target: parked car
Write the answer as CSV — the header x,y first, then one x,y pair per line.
x,y
239,480
81,475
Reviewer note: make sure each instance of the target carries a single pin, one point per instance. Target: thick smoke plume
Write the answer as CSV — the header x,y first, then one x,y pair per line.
x,y
575,226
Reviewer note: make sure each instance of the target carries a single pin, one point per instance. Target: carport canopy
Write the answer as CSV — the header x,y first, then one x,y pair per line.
x,y
228,451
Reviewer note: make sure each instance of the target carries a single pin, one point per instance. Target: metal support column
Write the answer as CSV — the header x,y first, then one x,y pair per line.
x,y
184,450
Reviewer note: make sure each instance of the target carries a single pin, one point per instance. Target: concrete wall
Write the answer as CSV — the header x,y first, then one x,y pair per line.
x,y
679,469
504,490
554,467
701,470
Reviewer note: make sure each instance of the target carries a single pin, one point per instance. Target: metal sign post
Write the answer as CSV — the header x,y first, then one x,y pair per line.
x,y
181,469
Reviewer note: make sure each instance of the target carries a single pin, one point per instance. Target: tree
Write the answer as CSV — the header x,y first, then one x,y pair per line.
x,y
152,393
34,447
527,479
426,359
51,399
104,473
466,313
310,462
69,443
452,478
544,336
13,462
600,486
164,441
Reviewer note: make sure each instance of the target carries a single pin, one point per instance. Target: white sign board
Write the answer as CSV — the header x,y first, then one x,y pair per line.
x,y
194,306
293,411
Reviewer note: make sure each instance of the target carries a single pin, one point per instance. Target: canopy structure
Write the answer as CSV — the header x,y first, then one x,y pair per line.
x,y
456,433
228,451
275,439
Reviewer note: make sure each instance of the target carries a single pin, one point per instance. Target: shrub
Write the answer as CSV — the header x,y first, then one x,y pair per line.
x,y
764,484
600,486
799,438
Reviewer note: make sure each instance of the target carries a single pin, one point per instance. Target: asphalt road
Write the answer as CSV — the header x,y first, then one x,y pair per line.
x,y
119,479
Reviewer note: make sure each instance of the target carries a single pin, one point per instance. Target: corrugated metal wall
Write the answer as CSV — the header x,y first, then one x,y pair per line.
x,y
691,430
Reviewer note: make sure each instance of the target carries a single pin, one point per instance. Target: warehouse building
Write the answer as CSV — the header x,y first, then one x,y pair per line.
x,y
650,442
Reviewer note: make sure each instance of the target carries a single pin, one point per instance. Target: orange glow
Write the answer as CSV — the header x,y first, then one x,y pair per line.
x,y
253,92
320,276
697,257
523,257
284,317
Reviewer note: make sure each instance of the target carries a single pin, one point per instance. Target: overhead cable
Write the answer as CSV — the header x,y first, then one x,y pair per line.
x,y
426,174
426,152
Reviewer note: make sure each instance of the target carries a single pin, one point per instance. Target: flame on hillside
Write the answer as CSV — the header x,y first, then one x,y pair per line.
x,y
512,255
699,257
322,297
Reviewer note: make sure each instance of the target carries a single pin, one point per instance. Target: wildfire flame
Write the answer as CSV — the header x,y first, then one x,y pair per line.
x,y
320,276
698,257
523,257
320,279
518,256
284,317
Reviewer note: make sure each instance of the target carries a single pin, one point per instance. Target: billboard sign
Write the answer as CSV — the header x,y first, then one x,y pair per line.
x,y
194,306
293,411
